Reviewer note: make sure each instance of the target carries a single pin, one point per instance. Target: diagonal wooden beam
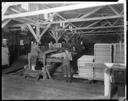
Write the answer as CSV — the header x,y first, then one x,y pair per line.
x,y
22,18
32,31
113,10
5,23
37,30
48,26
94,23
109,22
116,21
92,12
121,13
56,9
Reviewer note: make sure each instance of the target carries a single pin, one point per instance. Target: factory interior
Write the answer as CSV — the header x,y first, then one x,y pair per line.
x,y
63,50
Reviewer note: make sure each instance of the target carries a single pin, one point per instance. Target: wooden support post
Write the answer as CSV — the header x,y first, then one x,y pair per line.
x,y
107,83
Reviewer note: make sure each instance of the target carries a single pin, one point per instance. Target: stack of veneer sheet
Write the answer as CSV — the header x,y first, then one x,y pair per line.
x,y
85,67
118,55
103,52
98,71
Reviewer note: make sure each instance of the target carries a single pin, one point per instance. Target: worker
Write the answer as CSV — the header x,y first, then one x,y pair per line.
x,y
33,55
66,65
5,54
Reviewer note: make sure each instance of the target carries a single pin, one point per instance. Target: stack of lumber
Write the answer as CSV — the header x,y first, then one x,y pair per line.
x,y
118,55
98,71
103,52
85,68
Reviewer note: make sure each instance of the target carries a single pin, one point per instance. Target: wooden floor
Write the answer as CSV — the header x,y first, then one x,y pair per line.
x,y
14,86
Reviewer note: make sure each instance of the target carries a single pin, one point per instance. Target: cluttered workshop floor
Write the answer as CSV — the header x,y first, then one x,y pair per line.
x,y
14,86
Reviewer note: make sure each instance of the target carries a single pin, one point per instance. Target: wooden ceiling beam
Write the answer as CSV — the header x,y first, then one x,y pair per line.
x,y
33,22
85,19
102,27
57,9
116,32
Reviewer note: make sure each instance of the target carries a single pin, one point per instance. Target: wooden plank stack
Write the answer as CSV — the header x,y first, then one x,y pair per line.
x,y
102,54
118,55
85,70
98,71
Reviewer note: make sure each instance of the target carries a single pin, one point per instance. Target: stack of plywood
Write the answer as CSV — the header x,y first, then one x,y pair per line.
x,y
103,52
98,71
118,55
85,68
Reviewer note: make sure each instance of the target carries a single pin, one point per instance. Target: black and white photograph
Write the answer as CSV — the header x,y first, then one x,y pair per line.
x,y
63,50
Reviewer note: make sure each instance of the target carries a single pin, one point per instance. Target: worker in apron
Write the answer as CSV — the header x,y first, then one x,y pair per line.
x,y
33,55
66,65
5,55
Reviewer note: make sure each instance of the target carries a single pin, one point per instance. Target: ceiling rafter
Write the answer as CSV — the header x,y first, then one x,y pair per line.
x,y
92,12
102,32
113,10
101,27
22,18
61,16
56,9
84,19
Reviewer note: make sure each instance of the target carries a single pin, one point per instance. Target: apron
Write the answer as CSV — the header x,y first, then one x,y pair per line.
x,y
5,56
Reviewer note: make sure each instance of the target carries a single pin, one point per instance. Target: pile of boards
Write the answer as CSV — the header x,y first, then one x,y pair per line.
x,y
92,67
85,69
